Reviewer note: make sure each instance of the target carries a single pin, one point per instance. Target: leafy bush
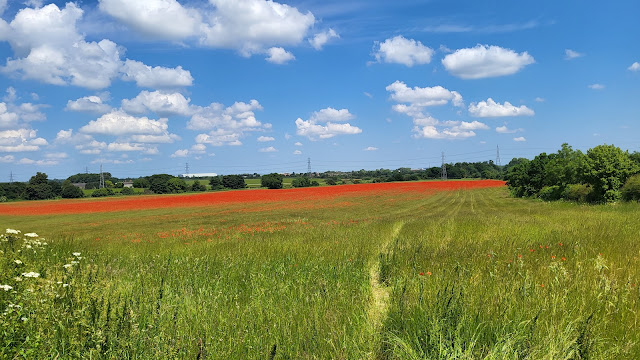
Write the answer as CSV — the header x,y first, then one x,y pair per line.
x,y
331,181
197,186
72,192
303,182
141,183
176,185
102,192
271,181
631,189
3,199
216,183
127,191
233,182
577,192
550,193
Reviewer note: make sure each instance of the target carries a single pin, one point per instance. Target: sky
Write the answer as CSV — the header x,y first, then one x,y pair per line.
x,y
237,86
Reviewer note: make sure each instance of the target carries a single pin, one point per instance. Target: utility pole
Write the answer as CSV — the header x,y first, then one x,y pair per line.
x,y
309,167
498,155
11,178
101,177
444,168
186,169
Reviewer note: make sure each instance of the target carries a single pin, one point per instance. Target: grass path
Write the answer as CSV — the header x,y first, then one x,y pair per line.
x,y
379,290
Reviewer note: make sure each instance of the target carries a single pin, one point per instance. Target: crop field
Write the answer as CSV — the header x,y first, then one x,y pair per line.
x,y
415,270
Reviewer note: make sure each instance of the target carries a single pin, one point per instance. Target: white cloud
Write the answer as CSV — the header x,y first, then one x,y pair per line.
x,y
7,159
155,139
491,108
57,156
220,137
331,114
180,153
125,146
485,61
7,118
90,104
422,97
120,123
268,149
157,19
157,77
226,124
27,161
596,86
278,55
314,131
371,148
112,161
519,139
571,54
3,6
251,26
48,48
505,130
11,95
634,67
266,138
199,149
431,132
163,104
368,95
404,51
298,143
297,152
19,140
539,99
321,38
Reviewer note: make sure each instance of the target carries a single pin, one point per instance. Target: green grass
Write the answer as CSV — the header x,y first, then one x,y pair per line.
x,y
244,281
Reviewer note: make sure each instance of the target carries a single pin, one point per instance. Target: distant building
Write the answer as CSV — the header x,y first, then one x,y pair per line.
x,y
80,185
128,183
199,175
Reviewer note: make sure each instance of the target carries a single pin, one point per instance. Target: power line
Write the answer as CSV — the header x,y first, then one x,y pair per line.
x,y
11,178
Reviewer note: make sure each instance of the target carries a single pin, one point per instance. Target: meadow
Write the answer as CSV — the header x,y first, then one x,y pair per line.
x,y
423,270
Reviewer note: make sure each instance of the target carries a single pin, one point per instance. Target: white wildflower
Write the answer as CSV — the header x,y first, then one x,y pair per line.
x,y
28,246
17,262
76,254
31,274
31,235
24,319
6,287
66,266
74,262
12,231
65,285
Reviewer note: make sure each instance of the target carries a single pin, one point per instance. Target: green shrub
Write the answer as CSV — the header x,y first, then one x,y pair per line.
x,y
550,193
271,181
3,199
72,192
127,191
631,189
102,192
577,192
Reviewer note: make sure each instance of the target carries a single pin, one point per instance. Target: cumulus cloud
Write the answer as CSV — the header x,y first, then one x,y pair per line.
x,y
157,77
571,54
333,124
519,139
27,161
180,153
298,143
297,152
539,99
423,97
20,140
596,86
117,123
59,155
157,19
491,108
505,130
278,55
48,48
268,149
251,26
315,131
7,159
371,148
266,138
484,61
403,51
162,103
89,104
634,67
321,38
331,114
7,118
453,130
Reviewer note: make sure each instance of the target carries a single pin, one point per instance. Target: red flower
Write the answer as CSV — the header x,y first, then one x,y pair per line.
x,y
541,285
421,274
429,273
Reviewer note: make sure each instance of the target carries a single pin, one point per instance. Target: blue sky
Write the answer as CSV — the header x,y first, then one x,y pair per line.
x,y
233,86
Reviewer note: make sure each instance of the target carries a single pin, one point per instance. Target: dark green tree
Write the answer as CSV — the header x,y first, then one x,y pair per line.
x,y
272,181
606,168
141,183
38,188
233,182
216,183
71,192
197,186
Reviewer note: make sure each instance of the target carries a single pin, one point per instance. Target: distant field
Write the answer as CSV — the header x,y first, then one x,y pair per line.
x,y
431,270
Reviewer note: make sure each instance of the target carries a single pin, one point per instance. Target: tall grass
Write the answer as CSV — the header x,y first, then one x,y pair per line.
x,y
247,281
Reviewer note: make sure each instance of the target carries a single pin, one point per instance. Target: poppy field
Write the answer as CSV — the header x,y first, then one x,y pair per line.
x,y
417,270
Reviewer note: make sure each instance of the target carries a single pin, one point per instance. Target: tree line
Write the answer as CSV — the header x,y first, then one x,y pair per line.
x,y
604,173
